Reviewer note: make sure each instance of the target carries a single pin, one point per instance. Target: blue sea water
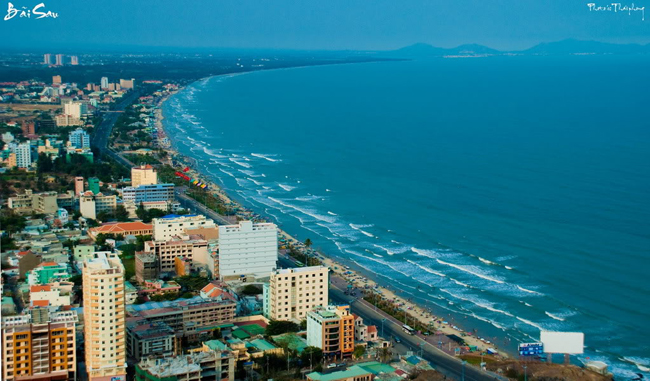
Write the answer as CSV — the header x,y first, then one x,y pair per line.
x,y
509,194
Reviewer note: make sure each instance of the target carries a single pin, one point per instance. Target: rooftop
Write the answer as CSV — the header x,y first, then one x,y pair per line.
x,y
353,371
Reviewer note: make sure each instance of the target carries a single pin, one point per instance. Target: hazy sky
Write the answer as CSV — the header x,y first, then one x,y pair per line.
x,y
319,24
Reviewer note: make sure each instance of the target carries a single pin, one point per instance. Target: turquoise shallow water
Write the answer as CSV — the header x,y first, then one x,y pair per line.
x,y
509,194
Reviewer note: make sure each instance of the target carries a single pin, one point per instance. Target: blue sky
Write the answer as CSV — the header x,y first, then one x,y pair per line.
x,y
318,24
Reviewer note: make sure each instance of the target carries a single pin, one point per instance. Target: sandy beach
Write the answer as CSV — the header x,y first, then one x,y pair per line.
x,y
358,280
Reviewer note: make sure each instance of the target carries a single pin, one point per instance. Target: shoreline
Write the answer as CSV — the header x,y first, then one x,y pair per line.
x,y
357,278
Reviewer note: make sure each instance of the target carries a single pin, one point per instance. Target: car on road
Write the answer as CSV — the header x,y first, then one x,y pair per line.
x,y
397,339
331,366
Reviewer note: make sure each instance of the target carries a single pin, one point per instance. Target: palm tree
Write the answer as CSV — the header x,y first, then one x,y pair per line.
x,y
385,354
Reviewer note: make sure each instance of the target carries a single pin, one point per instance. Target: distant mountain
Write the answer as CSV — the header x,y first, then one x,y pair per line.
x,y
571,46
426,50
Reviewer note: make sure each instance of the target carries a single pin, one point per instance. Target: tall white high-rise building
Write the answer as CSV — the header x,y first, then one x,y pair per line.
x,y
47,59
247,249
104,317
59,59
104,83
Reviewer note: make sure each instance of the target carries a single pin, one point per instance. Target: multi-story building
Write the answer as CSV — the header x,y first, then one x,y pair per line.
x,y
143,175
74,60
146,339
192,317
104,325
78,185
56,79
93,185
28,127
148,193
363,332
127,84
291,293
63,120
331,329
47,59
197,366
48,295
79,138
146,267
23,152
103,83
59,59
247,249
169,226
166,252
44,202
90,205
39,346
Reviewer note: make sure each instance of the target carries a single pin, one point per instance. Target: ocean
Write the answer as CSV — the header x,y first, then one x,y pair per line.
x,y
508,194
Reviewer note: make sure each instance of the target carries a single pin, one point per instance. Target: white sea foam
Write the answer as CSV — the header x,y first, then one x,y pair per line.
x,y
306,211
643,364
530,323
360,230
469,271
226,172
265,157
486,261
307,198
256,182
430,271
327,190
332,213
553,316
460,283
529,291
287,188
508,267
245,165
425,253
392,250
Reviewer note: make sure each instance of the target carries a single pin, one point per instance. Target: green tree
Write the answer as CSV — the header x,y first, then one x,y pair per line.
x,y
359,351
121,213
278,327
308,243
311,355
251,289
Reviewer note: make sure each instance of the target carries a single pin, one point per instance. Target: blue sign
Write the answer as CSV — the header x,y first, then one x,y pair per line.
x,y
531,349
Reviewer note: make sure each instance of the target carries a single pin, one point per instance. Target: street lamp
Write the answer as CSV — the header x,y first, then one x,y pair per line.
x,y
382,326
525,373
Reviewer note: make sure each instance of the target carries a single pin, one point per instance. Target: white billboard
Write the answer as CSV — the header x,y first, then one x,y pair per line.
x,y
563,342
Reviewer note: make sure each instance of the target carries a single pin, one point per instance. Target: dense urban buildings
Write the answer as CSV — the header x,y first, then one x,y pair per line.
x,y
172,225
143,175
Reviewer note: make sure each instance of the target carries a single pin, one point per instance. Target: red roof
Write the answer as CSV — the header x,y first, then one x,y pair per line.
x,y
48,264
24,252
372,329
40,288
40,303
122,227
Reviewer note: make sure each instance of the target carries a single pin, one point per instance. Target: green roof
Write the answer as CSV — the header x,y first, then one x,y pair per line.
x,y
292,340
216,345
253,329
375,367
262,345
353,371
240,334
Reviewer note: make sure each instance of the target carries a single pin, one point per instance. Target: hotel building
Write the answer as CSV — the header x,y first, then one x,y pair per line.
x,y
247,249
331,329
169,226
104,326
291,293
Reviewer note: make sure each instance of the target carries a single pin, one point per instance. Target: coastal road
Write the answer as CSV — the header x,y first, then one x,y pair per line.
x,y
189,203
103,130
448,365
